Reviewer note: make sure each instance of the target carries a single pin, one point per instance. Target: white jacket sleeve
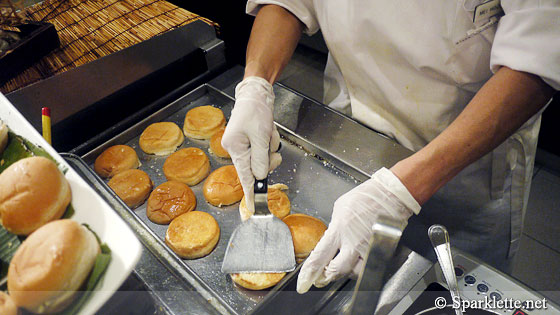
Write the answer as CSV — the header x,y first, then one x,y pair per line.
x,y
528,39
304,10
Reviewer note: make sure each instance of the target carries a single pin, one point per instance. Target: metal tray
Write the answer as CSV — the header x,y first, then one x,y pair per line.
x,y
314,184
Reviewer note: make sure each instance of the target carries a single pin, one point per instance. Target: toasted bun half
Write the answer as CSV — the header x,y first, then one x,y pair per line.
x,y
161,138
188,165
116,159
222,187
278,203
168,201
7,305
33,191
216,145
306,233
132,186
203,121
257,281
50,265
193,234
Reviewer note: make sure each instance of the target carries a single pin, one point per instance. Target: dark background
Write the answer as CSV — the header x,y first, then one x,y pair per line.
x,y
550,128
235,27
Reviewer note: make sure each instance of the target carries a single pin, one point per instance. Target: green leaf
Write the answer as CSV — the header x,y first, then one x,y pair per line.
x,y
101,263
3,273
15,151
9,243
69,212
37,151
19,148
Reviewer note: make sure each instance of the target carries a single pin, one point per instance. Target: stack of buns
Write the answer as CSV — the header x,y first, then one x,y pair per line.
x,y
193,234
223,187
257,281
278,203
55,260
115,159
168,201
133,186
203,122
188,165
33,191
51,265
161,138
7,305
306,233
216,147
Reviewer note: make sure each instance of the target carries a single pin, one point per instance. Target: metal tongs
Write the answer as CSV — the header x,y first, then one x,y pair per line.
x,y
440,241
383,243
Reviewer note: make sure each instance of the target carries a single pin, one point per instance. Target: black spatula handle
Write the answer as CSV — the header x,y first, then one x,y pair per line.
x,y
261,186
261,196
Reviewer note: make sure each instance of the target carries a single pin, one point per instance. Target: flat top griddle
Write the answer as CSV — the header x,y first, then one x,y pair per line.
x,y
314,184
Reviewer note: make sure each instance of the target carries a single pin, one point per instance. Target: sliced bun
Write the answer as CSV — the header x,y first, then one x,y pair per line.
x,y
306,233
7,305
223,187
50,265
33,191
132,186
189,166
216,145
193,234
257,281
161,138
203,121
116,159
168,201
278,203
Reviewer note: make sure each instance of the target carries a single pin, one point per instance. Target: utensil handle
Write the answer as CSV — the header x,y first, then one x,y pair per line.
x,y
261,186
46,121
261,196
382,245
440,241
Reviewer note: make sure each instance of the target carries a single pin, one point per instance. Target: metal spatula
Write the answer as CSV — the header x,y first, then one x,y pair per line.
x,y
263,243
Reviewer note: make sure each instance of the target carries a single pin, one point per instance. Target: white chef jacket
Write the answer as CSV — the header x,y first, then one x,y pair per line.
x,y
408,68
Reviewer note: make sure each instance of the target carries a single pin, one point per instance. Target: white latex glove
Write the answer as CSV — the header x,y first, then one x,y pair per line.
x,y
350,230
251,138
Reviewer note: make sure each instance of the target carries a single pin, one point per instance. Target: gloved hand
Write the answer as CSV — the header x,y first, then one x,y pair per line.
x,y
350,230
251,138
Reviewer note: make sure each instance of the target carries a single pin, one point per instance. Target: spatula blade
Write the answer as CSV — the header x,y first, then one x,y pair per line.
x,y
262,244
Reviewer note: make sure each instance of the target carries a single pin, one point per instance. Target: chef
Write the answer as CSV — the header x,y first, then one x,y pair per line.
x,y
462,83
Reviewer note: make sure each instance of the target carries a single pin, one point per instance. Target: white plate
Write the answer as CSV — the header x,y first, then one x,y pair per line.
x,y
89,208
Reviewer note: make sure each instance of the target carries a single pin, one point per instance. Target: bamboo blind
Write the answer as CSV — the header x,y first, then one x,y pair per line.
x,y
90,29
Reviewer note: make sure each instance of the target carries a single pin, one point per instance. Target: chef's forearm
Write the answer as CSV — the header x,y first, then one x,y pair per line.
x,y
274,37
501,106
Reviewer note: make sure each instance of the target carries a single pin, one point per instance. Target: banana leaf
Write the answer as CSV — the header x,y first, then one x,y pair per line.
x,y
9,243
101,263
19,148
